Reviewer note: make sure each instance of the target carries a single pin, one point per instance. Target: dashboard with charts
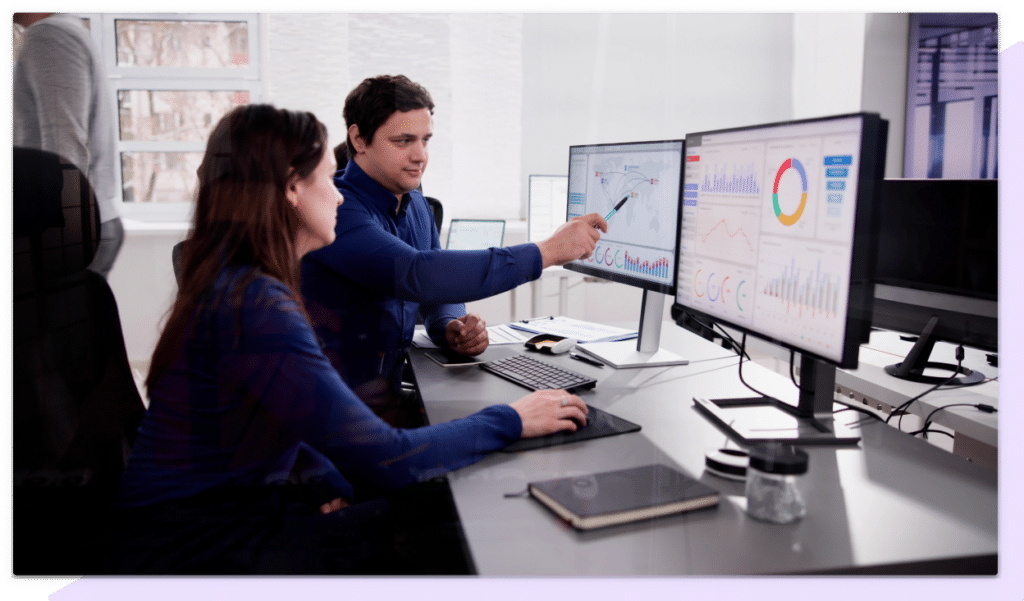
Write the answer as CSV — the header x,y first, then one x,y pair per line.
x,y
767,229
636,187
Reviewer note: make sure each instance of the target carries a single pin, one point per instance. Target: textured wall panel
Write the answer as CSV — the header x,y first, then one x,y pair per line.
x,y
306,66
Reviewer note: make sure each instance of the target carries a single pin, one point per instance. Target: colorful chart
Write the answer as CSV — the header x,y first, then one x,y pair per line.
x,y
795,216
724,288
814,294
624,260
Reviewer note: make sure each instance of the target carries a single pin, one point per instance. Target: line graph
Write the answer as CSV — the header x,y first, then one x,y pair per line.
x,y
727,232
725,227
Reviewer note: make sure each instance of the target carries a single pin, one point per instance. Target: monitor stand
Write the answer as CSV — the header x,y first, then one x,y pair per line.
x,y
645,351
761,419
912,368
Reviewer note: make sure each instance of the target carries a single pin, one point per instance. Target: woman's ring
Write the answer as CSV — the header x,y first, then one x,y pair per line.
x,y
565,401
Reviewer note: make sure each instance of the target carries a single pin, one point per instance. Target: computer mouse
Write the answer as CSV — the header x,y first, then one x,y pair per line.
x,y
550,344
562,346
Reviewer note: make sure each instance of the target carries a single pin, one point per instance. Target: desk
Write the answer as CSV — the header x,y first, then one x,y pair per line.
x,y
882,506
976,433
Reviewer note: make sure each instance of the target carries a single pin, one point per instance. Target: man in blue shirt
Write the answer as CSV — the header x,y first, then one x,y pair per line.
x,y
363,292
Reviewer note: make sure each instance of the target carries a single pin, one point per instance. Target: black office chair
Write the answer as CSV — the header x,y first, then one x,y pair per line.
x,y
438,209
176,261
75,403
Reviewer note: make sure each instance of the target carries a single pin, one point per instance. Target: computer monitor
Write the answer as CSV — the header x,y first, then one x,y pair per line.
x,y
475,234
776,240
637,187
937,273
546,208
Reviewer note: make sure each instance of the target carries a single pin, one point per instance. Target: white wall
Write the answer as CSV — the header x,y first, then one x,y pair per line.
x,y
514,91
625,77
886,56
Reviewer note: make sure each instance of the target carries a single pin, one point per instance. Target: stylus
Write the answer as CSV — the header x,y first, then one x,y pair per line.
x,y
617,207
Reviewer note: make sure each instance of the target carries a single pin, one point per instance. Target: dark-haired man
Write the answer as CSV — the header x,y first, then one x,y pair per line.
x,y
364,291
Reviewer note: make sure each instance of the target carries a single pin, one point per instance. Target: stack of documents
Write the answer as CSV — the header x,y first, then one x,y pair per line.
x,y
502,334
580,331
520,331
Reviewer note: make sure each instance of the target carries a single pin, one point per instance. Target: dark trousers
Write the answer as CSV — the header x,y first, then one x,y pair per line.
x,y
264,530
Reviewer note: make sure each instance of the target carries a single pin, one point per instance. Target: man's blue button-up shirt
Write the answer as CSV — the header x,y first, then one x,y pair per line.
x,y
363,291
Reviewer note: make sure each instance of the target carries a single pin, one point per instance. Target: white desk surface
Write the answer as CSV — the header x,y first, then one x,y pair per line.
x,y
889,503
886,348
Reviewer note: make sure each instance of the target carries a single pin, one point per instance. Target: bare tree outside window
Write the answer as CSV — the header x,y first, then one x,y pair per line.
x,y
182,44
173,116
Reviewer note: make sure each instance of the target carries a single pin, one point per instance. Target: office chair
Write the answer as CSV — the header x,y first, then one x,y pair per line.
x,y
408,381
438,209
75,403
176,261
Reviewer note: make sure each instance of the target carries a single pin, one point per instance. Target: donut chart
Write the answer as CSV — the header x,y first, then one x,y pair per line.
x,y
792,218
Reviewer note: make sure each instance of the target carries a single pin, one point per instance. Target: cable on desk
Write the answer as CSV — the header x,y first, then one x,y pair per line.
x,y
711,328
853,407
930,430
743,351
959,362
928,420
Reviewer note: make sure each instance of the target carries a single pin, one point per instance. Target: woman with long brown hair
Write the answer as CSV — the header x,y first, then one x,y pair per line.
x,y
244,459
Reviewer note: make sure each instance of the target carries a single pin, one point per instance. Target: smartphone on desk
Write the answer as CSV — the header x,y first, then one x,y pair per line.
x,y
449,358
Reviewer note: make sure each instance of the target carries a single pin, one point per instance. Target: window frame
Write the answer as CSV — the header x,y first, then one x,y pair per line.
x,y
247,79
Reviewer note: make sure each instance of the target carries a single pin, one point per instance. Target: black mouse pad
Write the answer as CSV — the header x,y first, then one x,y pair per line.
x,y
600,423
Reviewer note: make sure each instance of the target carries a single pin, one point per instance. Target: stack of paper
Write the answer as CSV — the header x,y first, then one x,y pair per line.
x,y
501,334
580,331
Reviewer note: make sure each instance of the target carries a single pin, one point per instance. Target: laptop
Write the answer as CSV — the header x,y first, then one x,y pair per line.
x,y
475,234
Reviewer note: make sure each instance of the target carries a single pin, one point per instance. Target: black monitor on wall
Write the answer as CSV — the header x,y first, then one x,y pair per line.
x,y
937,272
637,187
776,240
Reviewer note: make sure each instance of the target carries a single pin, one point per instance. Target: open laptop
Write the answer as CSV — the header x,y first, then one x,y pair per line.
x,y
475,234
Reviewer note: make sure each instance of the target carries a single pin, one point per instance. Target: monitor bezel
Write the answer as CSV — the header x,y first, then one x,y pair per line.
x,y
669,289
860,300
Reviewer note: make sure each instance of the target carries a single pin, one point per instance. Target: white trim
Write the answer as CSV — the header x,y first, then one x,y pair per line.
x,y
246,79
161,146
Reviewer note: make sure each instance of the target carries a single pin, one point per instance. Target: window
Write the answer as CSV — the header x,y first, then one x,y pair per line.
x,y
173,76
952,96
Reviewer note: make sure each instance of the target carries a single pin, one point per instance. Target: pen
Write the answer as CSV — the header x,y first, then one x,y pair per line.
x,y
536,319
586,360
616,208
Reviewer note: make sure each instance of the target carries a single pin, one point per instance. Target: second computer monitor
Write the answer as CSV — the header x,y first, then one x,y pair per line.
x,y
776,231
636,187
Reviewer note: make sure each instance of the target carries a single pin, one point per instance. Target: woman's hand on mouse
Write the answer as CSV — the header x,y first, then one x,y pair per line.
x,y
549,411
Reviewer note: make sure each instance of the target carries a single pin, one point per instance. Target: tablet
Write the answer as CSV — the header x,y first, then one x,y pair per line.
x,y
600,423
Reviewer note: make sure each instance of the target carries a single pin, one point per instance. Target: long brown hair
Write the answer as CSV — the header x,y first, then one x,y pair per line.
x,y
242,217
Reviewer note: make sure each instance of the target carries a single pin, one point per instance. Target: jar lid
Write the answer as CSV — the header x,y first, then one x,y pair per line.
x,y
778,459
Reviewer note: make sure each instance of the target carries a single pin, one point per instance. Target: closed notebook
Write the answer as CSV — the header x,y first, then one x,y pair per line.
x,y
621,496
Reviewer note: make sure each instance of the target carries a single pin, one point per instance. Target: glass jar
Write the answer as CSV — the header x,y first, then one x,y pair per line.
x,y
775,487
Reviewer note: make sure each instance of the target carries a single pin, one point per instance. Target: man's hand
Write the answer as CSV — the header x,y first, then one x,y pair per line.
x,y
574,239
467,335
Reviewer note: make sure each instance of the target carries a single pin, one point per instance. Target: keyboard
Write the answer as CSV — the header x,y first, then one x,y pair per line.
x,y
536,374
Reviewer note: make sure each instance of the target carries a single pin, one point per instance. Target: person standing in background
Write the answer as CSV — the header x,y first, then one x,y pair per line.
x,y
62,104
